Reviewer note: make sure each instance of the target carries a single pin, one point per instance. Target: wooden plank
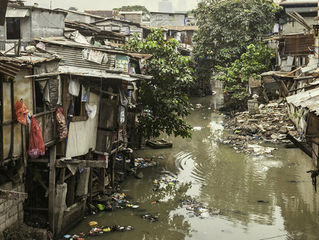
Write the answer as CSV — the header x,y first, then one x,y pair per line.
x,y
52,175
284,88
62,163
11,151
1,117
24,146
62,176
12,195
43,75
71,191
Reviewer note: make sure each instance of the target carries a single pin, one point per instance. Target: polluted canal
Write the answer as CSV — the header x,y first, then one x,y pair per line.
x,y
202,189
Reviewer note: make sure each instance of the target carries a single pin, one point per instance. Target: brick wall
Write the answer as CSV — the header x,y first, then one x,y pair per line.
x,y
11,211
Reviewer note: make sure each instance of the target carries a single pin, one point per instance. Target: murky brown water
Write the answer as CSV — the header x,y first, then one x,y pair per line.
x,y
223,179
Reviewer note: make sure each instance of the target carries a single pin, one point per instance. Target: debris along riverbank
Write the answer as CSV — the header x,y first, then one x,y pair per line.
x,y
167,190
248,131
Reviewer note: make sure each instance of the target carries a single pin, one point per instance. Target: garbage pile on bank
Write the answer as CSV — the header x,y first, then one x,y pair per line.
x,y
271,124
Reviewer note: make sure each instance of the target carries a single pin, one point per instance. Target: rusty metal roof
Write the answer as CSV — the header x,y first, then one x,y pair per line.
x,y
307,99
12,65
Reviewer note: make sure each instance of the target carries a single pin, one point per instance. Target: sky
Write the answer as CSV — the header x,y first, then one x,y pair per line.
x,y
151,5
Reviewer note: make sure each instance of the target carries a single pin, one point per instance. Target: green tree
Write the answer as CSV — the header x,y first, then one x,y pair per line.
x,y
226,28
164,98
132,8
256,60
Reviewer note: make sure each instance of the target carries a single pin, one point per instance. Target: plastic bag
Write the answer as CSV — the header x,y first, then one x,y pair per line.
x,y
61,124
21,112
36,143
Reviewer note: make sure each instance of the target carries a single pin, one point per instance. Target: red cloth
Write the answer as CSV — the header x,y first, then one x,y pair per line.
x,y
21,111
62,128
36,143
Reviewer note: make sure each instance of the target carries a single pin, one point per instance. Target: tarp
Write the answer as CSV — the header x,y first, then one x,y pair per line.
x,y
17,13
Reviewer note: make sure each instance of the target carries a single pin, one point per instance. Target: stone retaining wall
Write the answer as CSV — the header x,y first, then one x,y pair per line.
x,y
11,211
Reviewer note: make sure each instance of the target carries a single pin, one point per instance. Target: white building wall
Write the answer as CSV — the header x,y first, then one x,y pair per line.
x,y
166,19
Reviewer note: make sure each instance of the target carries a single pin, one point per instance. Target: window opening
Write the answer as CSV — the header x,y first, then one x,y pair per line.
x,y
13,28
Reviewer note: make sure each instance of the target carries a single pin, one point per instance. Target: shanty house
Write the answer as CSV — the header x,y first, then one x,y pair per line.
x,y
15,88
299,16
98,99
120,26
27,22
303,110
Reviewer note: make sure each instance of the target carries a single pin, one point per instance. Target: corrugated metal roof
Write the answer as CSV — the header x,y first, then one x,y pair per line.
x,y
84,72
17,13
307,99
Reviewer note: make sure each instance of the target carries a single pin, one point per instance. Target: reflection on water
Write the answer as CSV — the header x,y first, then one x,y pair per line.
x,y
259,197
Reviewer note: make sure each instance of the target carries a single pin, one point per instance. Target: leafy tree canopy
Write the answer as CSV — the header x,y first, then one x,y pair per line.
x,y
256,60
132,8
226,28
164,98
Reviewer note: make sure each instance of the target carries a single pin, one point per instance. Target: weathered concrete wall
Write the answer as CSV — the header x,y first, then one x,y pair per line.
x,y
81,17
25,26
47,24
22,90
123,27
2,32
161,19
294,27
11,211
137,18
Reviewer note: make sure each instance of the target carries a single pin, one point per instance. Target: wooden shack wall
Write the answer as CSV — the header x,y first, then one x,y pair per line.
x,y
298,44
82,134
22,90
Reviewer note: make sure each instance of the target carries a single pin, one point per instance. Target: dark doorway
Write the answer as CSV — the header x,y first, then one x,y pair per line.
x,y
13,28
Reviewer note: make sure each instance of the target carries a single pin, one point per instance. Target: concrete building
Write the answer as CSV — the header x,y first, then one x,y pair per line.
x,y
120,26
304,8
159,19
28,22
135,17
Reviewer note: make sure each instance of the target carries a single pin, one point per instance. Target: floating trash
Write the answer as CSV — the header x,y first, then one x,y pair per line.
x,y
96,231
144,163
199,209
93,224
150,217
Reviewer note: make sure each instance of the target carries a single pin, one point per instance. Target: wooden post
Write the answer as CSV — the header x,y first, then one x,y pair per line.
x,y
91,184
62,175
71,191
52,175
1,117
12,118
